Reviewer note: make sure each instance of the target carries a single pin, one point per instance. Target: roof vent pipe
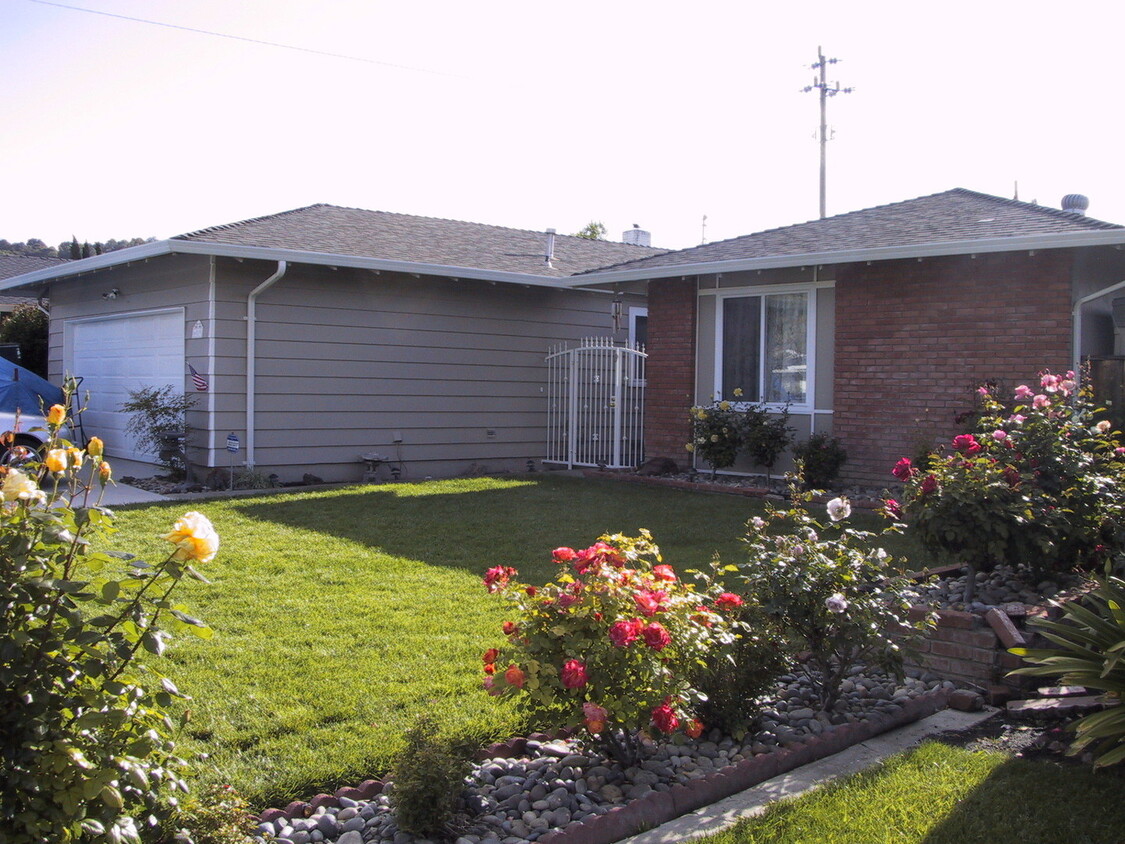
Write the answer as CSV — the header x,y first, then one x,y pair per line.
x,y
550,247
636,236
1075,203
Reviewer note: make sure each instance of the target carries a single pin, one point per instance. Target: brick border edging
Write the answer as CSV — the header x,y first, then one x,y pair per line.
x,y
707,487
660,807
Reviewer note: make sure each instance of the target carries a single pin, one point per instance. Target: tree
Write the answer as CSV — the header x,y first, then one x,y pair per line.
x,y
27,327
593,230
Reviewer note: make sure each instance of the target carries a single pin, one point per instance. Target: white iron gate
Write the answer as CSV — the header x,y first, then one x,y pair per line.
x,y
596,399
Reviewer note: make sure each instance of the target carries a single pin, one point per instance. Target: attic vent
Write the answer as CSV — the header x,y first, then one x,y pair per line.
x,y
550,247
1075,203
637,236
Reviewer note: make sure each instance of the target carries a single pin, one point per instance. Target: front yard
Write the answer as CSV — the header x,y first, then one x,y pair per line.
x,y
341,615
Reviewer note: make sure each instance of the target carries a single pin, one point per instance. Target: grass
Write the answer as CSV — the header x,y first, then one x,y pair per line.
x,y
938,794
341,615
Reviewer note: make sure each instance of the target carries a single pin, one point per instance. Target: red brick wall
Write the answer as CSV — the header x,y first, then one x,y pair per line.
x,y
913,337
670,368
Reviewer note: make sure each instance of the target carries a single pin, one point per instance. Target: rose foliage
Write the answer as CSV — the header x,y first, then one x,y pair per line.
x,y
610,644
827,590
1038,481
85,727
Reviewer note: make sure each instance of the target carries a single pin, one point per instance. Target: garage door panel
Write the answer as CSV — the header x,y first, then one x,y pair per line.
x,y
117,356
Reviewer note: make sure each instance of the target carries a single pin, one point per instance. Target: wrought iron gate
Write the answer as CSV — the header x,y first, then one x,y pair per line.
x,y
596,399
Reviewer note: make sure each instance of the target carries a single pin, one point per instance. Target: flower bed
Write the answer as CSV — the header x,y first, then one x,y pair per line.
x,y
561,790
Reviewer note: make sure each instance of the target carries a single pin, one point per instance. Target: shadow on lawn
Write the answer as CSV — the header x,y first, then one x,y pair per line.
x,y
478,523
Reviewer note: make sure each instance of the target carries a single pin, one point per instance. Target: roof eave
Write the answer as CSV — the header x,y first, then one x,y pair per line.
x,y
1018,243
295,256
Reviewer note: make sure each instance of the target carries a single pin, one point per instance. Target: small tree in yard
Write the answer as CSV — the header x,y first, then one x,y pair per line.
x,y
158,420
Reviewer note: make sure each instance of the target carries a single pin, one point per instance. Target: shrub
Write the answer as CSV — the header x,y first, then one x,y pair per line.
x,y
218,815
27,327
717,434
828,590
1038,482
158,421
766,435
85,726
740,671
1090,641
821,457
428,776
611,645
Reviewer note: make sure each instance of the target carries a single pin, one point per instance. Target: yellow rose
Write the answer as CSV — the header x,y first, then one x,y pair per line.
x,y
724,405
737,392
95,448
18,486
194,538
104,472
56,415
56,459
690,447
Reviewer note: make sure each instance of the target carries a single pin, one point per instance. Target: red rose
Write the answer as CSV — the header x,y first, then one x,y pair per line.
x,y
904,470
573,674
564,554
510,628
489,668
514,676
656,637
664,573
624,633
728,600
650,602
929,484
532,591
966,443
665,718
490,655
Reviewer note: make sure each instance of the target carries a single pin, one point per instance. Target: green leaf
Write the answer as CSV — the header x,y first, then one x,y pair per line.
x,y
110,590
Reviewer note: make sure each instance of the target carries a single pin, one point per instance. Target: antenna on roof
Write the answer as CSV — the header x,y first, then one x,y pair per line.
x,y
703,233
1016,196
822,86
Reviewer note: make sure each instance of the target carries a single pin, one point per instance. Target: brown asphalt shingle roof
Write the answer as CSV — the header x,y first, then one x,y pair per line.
x,y
334,230
953,216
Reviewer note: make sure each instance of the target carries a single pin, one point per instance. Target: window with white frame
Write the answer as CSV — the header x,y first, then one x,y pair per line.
x,y
764,347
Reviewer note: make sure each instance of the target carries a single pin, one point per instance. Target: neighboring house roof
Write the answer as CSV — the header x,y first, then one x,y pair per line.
x,y
13,265
330,229
943,223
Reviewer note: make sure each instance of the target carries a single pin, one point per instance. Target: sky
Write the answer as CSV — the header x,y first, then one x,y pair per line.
x,y
536,115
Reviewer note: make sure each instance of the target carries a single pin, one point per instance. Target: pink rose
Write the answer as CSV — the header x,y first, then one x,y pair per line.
x,y
999,435
563,554
966,443
656,637
1023,392
1040,402
624,633
664,573
892,508
650,602
1049,382
497,577
573,674
904,470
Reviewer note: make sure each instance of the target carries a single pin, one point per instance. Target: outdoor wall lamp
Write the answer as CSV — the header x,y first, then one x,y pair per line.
x,y
112,294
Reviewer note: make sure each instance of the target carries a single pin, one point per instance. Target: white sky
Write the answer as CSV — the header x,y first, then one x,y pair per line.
x,y
535,115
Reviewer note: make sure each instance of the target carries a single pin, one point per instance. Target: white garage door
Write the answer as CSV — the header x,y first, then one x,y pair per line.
x,y
117,355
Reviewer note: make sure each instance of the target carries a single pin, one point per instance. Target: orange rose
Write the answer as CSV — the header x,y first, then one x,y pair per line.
x,y
514,676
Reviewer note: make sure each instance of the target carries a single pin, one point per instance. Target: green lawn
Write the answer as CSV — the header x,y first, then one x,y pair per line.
x,y
937,794
340,615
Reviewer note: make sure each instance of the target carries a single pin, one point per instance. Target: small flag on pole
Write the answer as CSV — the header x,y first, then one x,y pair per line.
x,y
199,381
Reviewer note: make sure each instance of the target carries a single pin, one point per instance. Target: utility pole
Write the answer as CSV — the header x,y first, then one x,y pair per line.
x,y
821,84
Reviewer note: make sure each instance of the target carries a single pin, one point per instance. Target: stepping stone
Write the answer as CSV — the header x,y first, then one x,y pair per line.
x,y
1055,707
1061,691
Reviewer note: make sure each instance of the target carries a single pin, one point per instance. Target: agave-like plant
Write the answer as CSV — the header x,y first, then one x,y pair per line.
x,y
1090,653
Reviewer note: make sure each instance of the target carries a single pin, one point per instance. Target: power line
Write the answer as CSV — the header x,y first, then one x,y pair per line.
x,y
257,41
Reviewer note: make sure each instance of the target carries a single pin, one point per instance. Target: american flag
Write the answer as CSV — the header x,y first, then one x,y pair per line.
x,y
199,381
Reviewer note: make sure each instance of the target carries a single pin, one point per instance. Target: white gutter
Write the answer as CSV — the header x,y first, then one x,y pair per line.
x,y
251,360
1105,291
1110,237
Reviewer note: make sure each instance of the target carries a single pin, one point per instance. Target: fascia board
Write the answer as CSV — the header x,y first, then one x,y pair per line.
x,y
294,256
1018,243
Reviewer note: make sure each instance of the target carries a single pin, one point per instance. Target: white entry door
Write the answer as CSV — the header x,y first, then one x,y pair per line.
x,y
116,355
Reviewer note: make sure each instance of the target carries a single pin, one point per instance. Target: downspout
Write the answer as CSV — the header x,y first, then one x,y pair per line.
x,y
251,360
1105,291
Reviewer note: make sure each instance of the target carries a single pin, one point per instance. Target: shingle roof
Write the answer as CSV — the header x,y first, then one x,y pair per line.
x,y
335,230
13,265
953,216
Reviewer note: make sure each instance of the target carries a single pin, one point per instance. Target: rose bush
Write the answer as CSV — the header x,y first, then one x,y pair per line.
x,y
717,434
827,590
85,726
610,644
1038,481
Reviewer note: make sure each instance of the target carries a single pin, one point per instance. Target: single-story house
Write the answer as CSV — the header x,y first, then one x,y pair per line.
x,y
311,337
876,325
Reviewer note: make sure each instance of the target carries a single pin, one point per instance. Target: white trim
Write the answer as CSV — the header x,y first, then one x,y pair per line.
x,y
120,314
757,289
212,445
634,312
